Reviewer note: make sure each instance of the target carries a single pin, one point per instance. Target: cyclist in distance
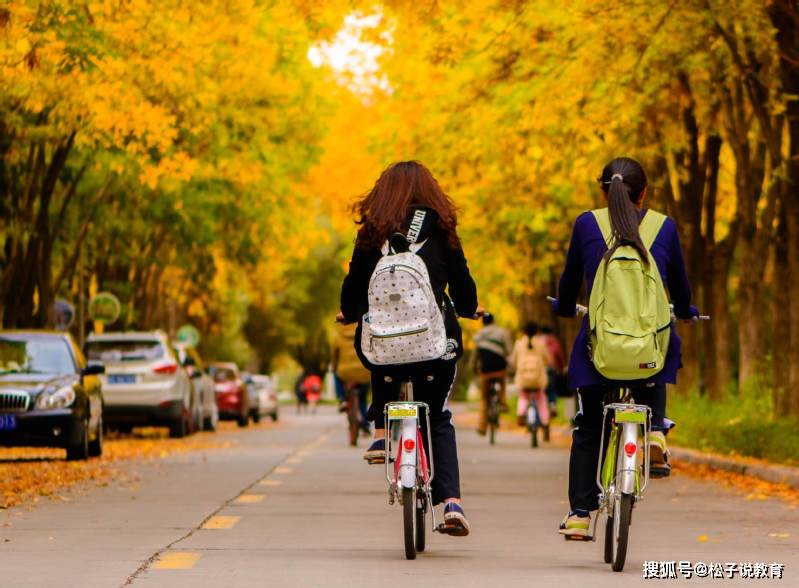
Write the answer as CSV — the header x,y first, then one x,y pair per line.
x,y
493,348
353,376
624,183
407,199
529,362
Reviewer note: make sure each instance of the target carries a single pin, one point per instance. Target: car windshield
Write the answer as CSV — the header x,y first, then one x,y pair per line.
x,y
223,374
35,355
125,350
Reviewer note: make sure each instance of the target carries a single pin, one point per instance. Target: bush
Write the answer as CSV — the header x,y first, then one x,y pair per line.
x,y
741,424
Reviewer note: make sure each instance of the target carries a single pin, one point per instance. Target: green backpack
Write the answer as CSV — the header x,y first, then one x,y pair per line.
x,y
629,312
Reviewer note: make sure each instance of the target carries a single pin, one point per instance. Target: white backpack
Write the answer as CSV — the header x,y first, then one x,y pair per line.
x,y
404,323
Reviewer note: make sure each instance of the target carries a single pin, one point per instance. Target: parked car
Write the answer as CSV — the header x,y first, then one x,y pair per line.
x,y
263,397
203,384
49,395
144,383
231,394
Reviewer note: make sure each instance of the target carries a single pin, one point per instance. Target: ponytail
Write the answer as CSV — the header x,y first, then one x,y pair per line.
x,y
624,181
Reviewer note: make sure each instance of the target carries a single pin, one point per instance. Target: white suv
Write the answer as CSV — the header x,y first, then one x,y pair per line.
x,y
143,383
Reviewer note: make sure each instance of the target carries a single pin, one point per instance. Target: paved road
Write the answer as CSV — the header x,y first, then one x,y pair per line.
x,y
292,505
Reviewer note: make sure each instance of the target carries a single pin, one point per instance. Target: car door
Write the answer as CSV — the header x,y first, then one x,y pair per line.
x,y
91,385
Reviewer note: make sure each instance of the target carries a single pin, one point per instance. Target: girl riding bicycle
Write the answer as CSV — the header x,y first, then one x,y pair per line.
x,y
624,182
391,207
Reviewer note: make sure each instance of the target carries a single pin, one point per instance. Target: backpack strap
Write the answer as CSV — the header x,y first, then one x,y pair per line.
x,y
649,228
602,217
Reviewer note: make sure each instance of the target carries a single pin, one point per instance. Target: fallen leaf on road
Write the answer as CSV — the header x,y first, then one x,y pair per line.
x,y
748,485
702,538
28,474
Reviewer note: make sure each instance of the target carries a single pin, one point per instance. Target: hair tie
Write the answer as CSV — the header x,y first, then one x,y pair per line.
x,y
614,176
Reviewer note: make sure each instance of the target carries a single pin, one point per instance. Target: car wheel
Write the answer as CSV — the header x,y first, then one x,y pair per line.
x,y
274,416
96,446
256,416
80,450
212,422
124,429
179,427
243,420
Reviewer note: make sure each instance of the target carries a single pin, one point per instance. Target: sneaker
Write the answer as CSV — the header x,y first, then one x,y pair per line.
x,y
455,522
343,406
376,452
576,526
658,455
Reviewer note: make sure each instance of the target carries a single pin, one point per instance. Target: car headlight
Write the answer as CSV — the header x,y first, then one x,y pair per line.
x,y
61,398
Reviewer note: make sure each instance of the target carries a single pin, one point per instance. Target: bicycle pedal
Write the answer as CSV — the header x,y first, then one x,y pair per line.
x,y
376,460
578,538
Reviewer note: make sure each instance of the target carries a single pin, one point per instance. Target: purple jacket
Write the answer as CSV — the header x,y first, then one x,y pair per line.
x,y
585,252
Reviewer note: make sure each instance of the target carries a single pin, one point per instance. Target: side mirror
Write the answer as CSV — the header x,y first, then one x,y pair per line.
x,y
93,369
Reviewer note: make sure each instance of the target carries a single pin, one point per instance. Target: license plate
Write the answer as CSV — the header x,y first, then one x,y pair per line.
x,y
121,379
403,412
8,422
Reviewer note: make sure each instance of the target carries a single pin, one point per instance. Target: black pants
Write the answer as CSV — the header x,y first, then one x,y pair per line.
x,y
433,387
586,438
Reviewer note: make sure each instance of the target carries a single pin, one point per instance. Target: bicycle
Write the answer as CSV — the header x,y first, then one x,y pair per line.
x,y
410,471
620,477
493,412
533,421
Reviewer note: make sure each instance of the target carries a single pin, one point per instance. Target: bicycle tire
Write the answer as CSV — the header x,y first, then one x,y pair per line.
x,y
621,531
492,434
409,521
533,437
421,539
609,539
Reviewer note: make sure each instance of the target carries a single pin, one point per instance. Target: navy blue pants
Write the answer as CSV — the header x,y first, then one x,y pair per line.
x,y
433,387
586,438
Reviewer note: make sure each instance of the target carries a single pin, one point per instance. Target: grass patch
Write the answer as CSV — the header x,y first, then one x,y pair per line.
x,y
741,425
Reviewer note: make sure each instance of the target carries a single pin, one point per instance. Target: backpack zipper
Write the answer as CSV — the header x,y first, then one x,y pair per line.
x,y
402,334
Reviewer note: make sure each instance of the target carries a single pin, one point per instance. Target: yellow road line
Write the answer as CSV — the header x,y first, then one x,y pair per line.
x,y
250,498
176,560
283,470
220,522
270,482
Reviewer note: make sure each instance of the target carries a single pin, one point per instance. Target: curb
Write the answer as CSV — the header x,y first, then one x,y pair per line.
x,y
776,474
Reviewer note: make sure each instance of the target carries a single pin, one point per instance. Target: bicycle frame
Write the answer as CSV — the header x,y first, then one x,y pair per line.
x,y
619,473
412,467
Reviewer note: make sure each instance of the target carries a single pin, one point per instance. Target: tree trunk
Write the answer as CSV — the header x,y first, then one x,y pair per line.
x,y
781,336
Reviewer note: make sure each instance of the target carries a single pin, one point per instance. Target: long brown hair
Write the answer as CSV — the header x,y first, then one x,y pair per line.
x,y
623,180
384,209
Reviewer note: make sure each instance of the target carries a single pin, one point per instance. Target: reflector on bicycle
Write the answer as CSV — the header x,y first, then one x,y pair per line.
x,y
402,411
630,449
409,445
630,416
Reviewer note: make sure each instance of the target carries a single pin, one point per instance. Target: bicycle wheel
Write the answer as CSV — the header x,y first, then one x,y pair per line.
x,y
421,509
621,531
492,435
609,539
534,437
409,521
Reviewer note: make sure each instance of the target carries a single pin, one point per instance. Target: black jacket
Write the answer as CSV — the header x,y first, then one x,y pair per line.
x,y
448,272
